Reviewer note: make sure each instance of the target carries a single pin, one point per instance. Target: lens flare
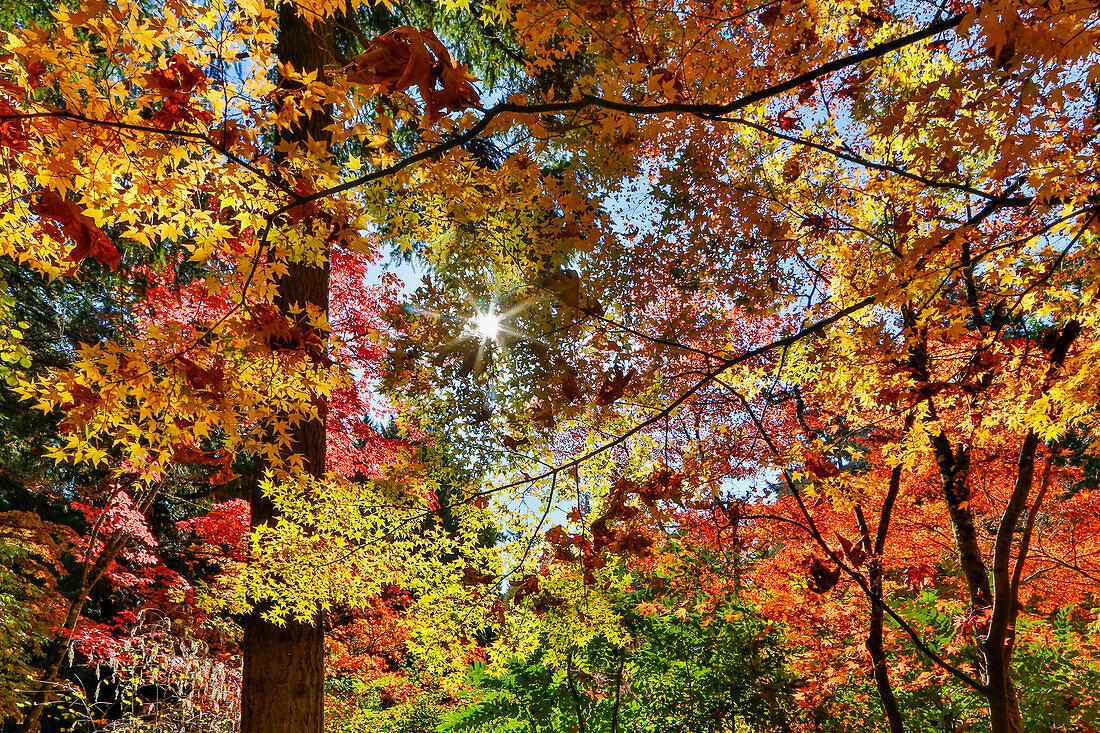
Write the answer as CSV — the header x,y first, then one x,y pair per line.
x,y
487,326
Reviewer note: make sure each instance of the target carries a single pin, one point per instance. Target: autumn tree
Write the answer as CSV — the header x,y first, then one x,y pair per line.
x,y
862,209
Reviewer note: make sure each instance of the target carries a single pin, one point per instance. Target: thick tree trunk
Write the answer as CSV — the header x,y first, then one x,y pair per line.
x,y
284,665
283,685
283,677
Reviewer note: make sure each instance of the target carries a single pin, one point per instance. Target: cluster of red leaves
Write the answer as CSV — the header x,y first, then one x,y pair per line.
x,y
176,80
529,586
61,218
407,57
369,645
121,515
356,317
14,133
618,530
137,575
224,527
356,314
137,569
624,529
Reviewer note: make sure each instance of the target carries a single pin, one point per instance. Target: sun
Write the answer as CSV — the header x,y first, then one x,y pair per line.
x,y
487,326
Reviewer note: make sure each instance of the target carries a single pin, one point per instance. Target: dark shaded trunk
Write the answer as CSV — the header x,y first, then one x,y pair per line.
x,y
1004,707
875,575
954,466
283,685
283,677
954,470
875,648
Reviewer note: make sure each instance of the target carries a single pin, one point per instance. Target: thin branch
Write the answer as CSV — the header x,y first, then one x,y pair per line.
x,y
703,111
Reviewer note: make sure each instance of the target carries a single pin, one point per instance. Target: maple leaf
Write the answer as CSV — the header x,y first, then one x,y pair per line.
x,y
566,284
210,380
634,541
88,239
817,223
224,475
614,387
471,576
792,169
822,579
571,391
788,121
663,484
528,585
178,75
544,602
769,17
511,443
14,133
186,453
542,412
36,69
176,81
855,553
557,535
818,465
919,576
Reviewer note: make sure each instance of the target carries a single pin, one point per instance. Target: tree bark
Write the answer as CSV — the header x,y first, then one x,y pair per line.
x,y
954,468
283,684
875,575
1004,707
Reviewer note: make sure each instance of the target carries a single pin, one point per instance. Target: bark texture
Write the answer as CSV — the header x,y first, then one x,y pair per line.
x,y
283,685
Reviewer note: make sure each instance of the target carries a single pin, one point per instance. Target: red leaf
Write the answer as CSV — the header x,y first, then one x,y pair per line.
x,y
821,578
614,386
818,465
769,16
527,586
36,69
179,76
223,476
472,576
788,121
89,240
855,553
13,133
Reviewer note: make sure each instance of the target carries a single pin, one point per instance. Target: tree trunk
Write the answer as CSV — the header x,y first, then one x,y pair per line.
x,y
954,470
1004,706
875,575
283,685
954,466
284,679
